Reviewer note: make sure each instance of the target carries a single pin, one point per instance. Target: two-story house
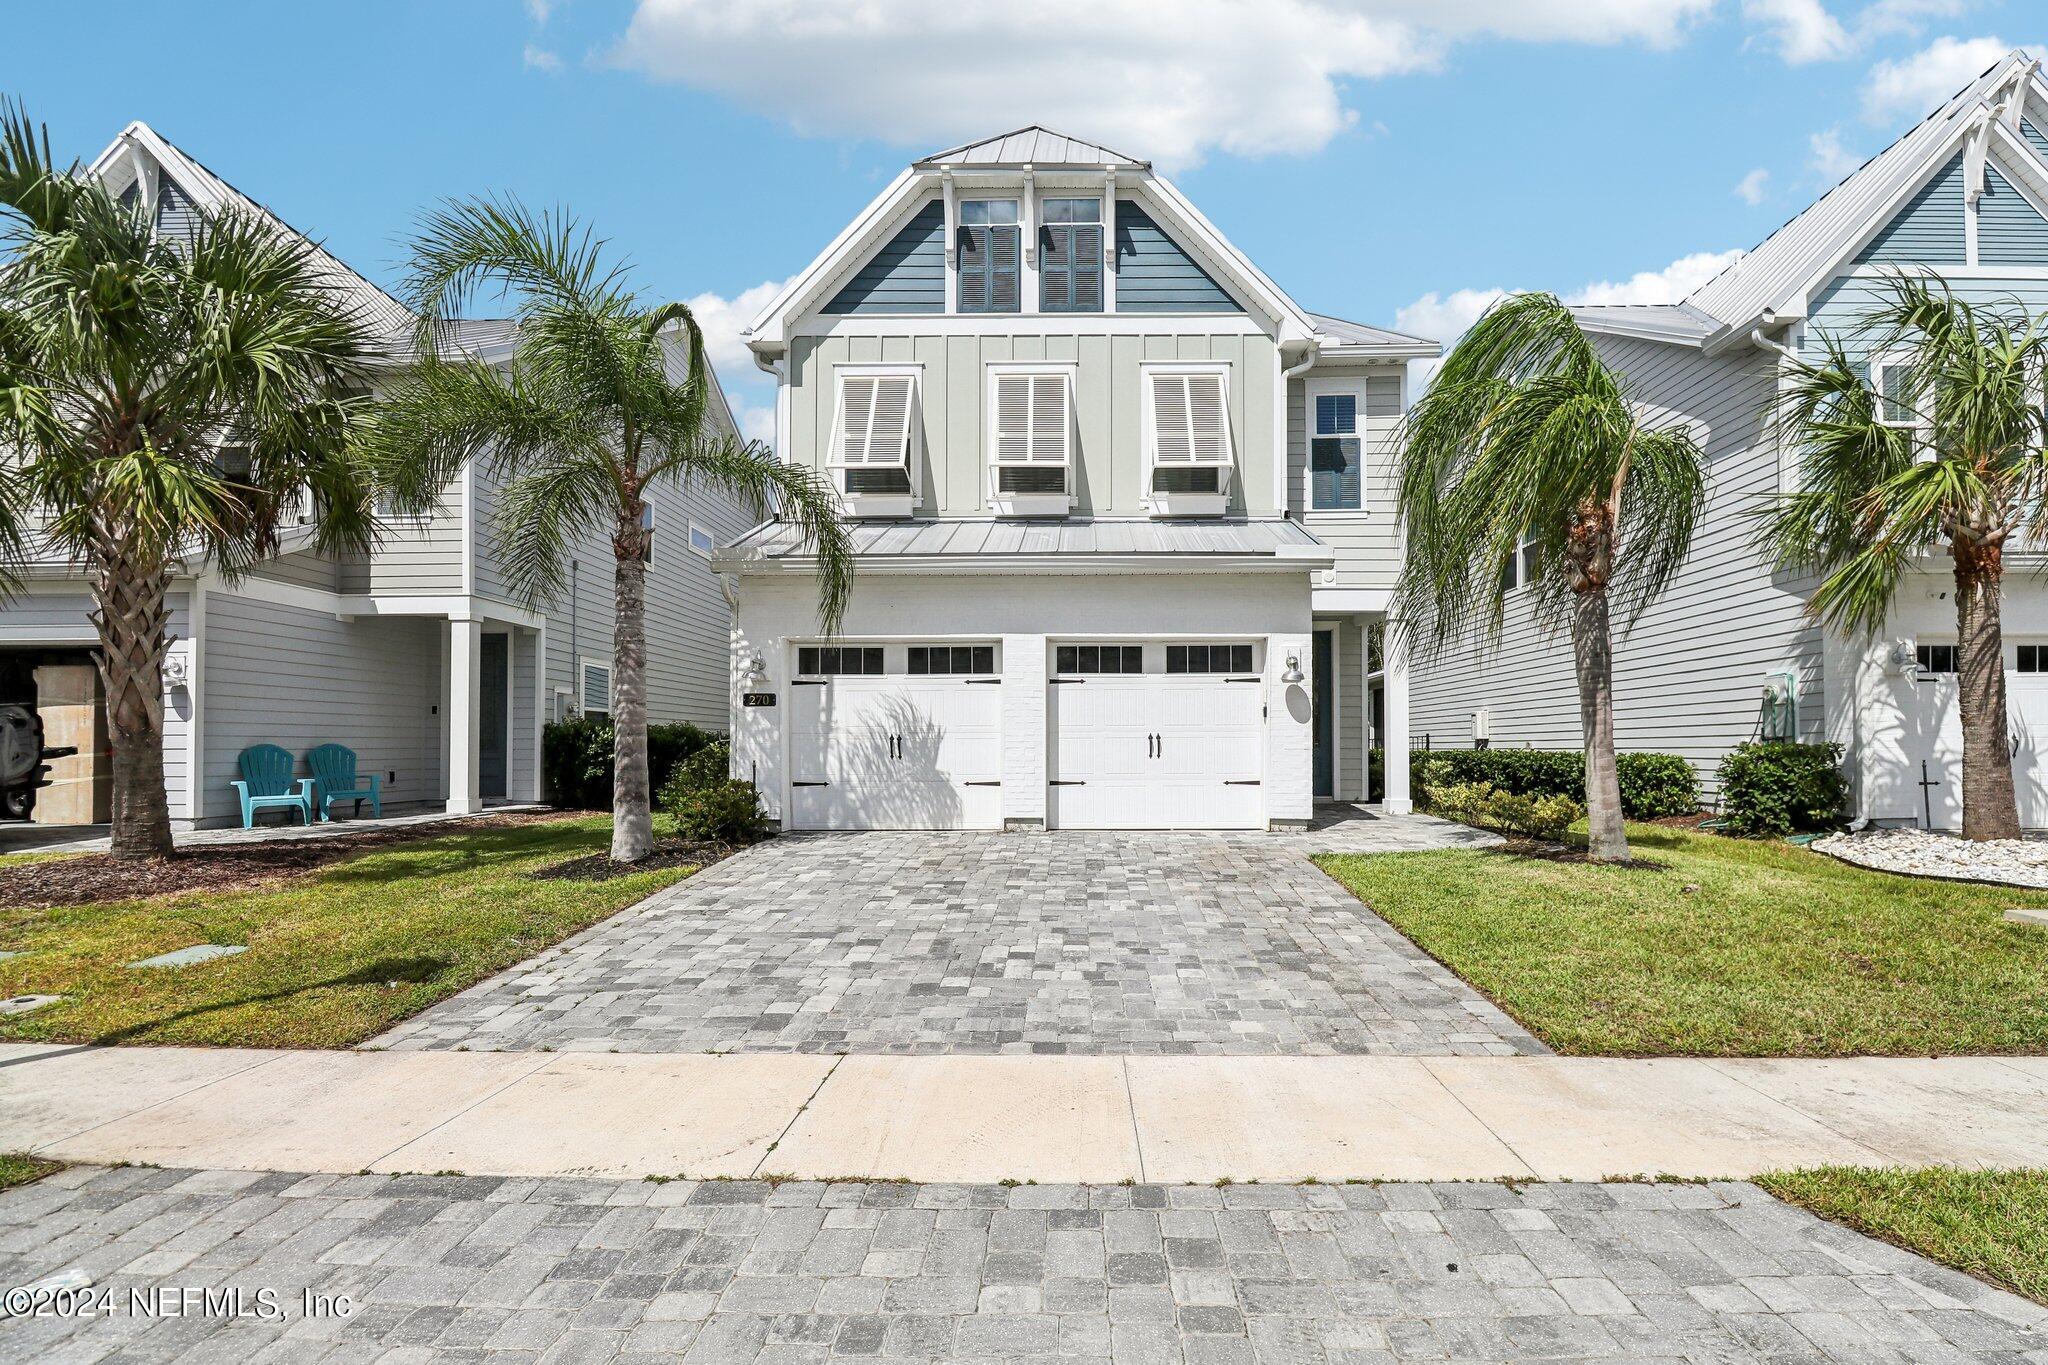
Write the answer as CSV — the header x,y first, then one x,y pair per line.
x,y
1731,653
416,655
1123,513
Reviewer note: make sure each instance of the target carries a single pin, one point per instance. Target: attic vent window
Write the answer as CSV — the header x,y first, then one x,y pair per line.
x,y
597,688
989,245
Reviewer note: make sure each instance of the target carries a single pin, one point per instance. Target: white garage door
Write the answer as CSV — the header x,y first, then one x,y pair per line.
x,y
1931,729
896,752
1156,751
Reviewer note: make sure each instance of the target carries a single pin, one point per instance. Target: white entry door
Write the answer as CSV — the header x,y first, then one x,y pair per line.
x,y
1152,751
896,752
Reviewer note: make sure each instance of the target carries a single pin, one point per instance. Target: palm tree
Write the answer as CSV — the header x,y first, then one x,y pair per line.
x,y
1933,443
1527,450
167,400
591,412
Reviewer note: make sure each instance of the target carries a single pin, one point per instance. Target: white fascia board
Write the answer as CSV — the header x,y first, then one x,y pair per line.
x,y
1306,560
1639,331
769,326
1338,353
1027,324
1295,325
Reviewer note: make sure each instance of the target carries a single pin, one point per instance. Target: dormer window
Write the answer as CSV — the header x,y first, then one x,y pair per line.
x,y
875,441
1031,440
1070,256
1187,439
989,247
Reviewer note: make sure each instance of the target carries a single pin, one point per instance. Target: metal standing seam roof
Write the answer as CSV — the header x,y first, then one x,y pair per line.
x,y
1348,333
1032,146
1767,276
992,538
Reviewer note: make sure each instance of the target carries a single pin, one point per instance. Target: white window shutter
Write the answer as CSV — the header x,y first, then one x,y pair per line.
x,y
1208,419
889,435
857,405
1170,440
1013,418
1049,422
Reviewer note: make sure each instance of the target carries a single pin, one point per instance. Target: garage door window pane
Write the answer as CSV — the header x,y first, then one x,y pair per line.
x,y
1208,658
952,659
1099,659
832,661
2033,659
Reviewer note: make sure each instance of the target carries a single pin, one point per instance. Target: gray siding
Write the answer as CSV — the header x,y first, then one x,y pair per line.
x,y
1155,274
1928,229
1689,676
285,675
1839,306
1367,542
1107,406
2009,230
422,557
2034,136
304,568
907,275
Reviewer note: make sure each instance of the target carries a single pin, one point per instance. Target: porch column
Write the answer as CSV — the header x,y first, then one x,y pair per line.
x,y
465,662
1365,735
1395,685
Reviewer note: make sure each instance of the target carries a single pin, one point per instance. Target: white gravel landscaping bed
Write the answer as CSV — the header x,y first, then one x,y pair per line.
x,y
1919,853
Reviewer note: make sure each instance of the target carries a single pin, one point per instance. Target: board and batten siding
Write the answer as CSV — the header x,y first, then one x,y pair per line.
x,y
1689,676
277,674
1367,542
908,273
1108,408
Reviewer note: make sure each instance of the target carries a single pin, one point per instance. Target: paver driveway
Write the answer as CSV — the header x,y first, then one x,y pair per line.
x,y
987,943
464,1269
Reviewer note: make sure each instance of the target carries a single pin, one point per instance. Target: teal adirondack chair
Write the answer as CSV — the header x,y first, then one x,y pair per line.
x,y
334,769
267,784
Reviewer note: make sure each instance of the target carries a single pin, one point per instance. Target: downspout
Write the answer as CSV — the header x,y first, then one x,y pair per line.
x,y
1288,376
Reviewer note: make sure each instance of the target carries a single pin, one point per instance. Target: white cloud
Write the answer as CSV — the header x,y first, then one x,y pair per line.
x,y
1914,86
1752,188
1829,160
540,59
1803,30
1169,79
751,392
1905,16
1446,317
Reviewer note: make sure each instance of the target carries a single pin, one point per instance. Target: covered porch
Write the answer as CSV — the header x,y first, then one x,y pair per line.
x,y
1360,676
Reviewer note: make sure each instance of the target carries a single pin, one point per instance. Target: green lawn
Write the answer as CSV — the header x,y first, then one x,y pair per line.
x,y
1991,1224
1733,948
19,1169
334,957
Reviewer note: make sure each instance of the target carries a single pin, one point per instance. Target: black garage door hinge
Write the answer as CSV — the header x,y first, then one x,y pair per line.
x,y
981,784
810,784
1057,783
1059,682
982,682
1241,680
1241,782
809,682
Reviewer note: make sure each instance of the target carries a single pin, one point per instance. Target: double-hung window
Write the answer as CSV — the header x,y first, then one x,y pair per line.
x,y
1336,455
1903,401
1524,565
1187,438
988,246
1031,439
1070,256
875,439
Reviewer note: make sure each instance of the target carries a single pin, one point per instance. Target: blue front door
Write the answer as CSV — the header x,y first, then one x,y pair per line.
x,y
1326,718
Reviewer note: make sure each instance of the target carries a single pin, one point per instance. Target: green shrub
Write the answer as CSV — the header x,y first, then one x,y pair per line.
x,y
1652,785
707,767
1772,788
1524,815
727,812
576,758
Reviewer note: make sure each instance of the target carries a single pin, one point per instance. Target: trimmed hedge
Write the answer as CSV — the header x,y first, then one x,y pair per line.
x,y
576,758
1771,788
1652,785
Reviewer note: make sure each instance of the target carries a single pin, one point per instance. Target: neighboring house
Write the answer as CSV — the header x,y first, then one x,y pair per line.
x,y
417,655
1123,512
1730,654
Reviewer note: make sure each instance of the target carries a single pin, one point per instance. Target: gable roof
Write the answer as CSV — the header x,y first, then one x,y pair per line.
x,y
1340,334
214,195
1031,146
1774,277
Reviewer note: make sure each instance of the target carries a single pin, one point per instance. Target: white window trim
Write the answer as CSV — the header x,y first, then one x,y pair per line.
x,y
1522,581
1027,263
1102,220
1311,389
879,504
1028,504
1919,424
1185,504
695,531
584,663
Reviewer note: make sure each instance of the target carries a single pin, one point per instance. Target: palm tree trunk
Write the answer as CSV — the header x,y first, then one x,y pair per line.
x,y
632,803
1990,808
1593,658
133,622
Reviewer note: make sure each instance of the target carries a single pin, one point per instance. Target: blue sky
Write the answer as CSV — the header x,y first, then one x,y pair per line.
x,y
1393,161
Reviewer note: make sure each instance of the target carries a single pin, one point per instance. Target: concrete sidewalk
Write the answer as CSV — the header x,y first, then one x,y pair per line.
x,y
984,1119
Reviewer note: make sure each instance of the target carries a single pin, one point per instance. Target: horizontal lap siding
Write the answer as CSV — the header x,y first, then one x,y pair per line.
x,y
1928,228
284,675
421,556
302,568
2009,229
1368,546
1155,274
908,273
1108,408
1689,676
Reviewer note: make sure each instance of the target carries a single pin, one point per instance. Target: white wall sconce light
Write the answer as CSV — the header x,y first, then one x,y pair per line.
x,y
1293,672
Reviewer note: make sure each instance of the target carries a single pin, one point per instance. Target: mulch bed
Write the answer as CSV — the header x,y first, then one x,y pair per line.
x,y
599,867
93,878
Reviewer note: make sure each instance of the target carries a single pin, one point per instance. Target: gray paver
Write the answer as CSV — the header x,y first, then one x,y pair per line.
x,y
991,943
1347,1289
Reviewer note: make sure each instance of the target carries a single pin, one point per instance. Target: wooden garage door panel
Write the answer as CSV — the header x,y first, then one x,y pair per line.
x,y
1109,772
936,774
